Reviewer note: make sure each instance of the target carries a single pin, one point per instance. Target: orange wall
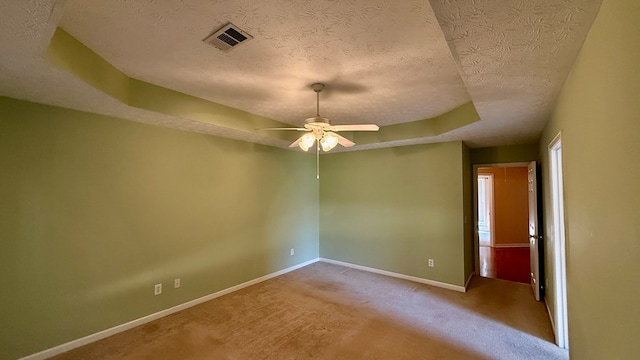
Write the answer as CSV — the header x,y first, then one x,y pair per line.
x,y
511,209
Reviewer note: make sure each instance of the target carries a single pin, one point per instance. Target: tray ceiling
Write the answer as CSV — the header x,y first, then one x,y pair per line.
x,y
383,62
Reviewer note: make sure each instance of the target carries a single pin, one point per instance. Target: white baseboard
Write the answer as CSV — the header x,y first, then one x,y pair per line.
x,y
553,325
514,245
45,354
397,275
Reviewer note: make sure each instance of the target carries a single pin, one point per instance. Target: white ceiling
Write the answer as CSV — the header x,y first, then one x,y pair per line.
x,y
383,62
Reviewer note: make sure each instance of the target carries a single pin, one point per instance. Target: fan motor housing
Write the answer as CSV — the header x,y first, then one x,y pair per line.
x,y
321,121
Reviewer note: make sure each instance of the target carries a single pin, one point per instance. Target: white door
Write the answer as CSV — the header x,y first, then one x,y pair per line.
x,y
485,209
534,238
485,198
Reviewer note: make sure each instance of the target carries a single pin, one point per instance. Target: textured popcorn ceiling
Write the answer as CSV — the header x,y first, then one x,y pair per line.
x,y
513,57
384,62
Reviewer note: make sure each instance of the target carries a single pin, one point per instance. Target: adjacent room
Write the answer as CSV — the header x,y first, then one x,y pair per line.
x,y
503,221
328,179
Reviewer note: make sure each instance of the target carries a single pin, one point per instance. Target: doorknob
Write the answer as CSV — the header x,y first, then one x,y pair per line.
x,y
535,237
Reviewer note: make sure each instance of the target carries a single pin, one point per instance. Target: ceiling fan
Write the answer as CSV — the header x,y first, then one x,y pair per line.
x,y
320,131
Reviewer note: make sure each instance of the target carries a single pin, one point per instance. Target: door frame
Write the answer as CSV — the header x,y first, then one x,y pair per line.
x,y
556,181
491,210
476,240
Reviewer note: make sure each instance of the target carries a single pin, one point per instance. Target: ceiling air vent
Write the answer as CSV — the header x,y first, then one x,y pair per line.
x,y
228,37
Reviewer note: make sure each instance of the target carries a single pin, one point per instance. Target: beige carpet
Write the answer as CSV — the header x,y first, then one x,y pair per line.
x,y
325,311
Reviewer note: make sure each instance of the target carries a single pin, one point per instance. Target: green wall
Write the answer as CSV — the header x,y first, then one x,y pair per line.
x,y
598,112
505,154
394,208
95,210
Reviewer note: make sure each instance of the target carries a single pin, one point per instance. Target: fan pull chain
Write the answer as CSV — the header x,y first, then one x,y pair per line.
x,y
318,160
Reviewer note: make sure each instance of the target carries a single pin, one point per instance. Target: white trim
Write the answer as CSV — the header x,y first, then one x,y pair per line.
x,y
466,284
512,245
489,198
558,238
553,325
556,140
397,275
45,354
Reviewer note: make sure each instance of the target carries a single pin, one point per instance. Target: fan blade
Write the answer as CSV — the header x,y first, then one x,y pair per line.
x,y
356,127
296,129
295,143
344,141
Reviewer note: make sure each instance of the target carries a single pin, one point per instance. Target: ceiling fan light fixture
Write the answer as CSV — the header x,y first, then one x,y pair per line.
x,y
319,129
306,141
328,141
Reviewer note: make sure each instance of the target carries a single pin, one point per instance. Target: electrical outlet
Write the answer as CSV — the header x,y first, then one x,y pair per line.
x,y
176,283
431,263
293,252
157,289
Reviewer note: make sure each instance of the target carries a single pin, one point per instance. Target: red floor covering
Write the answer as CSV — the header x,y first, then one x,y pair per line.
x,y
505,263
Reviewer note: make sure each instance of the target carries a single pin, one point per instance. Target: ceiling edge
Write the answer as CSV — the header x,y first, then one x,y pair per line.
x,y
70,55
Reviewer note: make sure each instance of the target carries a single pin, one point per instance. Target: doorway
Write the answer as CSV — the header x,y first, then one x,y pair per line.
x,y
502,211
485,209
559,244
